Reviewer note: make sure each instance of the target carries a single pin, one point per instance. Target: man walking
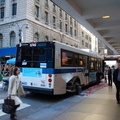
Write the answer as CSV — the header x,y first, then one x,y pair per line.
x,y
116,80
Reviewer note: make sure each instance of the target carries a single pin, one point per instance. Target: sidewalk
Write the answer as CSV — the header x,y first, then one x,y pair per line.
x,y
101,105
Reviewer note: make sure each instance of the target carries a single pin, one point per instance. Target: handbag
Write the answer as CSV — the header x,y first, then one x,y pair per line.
x,y
8,106
9,101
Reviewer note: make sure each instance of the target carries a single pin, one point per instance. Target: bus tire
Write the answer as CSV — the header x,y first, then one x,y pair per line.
x,y
77,88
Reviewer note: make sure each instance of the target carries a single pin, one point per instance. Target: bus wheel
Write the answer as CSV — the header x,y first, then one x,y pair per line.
x,y
77,88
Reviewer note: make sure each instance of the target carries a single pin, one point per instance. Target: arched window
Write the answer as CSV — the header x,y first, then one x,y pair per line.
x,y
46,38
1,40
12,39
36,37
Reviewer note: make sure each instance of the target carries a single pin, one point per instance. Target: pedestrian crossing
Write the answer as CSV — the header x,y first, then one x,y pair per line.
x,y
22,106
1,84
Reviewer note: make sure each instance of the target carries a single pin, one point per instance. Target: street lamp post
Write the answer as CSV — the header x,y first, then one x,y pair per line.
x,y
20,36
20,30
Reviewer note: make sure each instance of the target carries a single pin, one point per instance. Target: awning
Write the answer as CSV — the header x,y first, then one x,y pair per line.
x,y
11,61
8,51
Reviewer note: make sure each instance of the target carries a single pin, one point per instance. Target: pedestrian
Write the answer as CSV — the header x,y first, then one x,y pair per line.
x,y
11,70
105,75
99,76
15,90
1,76
3,69
116,80
113,68
109,76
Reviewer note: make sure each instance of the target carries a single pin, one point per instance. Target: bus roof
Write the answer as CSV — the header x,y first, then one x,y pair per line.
x,y
78,50
72,48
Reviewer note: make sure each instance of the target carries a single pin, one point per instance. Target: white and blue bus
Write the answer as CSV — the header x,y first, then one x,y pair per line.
x,y
55,68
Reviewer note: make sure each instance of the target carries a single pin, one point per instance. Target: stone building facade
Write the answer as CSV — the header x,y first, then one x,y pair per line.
x,y
41,20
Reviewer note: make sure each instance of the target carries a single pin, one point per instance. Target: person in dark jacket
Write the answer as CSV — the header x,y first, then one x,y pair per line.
x,y
1,76
116,80
99,76
109,76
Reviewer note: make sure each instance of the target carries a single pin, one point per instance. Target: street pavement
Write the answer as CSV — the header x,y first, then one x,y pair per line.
x,y
100,105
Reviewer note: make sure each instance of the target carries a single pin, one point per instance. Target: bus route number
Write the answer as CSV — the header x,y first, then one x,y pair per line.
x,y
33,45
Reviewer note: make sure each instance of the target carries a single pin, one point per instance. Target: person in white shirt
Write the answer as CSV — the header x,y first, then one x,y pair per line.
x,y
15,90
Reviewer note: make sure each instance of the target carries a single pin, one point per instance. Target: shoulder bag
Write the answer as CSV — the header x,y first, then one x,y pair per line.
x,y
8,105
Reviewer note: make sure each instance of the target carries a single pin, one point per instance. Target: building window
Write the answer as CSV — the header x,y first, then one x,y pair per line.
x,y
86,37
82,42
66,16
2,1
60,12
1,40
75,33
54,21
75,23
60,25
71,31
36,37
90,46
66,28
71,22
90,39
14,9
37,11
46,4
46,17
12,39
82,34
54,8
46,38
86,44
2,12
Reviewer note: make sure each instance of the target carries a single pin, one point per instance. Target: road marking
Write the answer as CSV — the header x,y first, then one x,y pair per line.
x,y
1,101
22,106
1,84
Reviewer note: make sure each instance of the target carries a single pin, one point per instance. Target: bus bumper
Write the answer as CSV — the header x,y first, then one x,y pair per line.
x,y
38,90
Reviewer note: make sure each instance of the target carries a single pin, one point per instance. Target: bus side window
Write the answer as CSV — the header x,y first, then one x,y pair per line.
x,y
70,59
81,62
76,59
85,61
67,58
64,58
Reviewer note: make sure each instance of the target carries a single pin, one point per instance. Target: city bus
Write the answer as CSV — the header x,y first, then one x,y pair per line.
x,y
56,68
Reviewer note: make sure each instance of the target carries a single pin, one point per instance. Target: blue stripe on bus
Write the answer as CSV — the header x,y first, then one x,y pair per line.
x,y
58,71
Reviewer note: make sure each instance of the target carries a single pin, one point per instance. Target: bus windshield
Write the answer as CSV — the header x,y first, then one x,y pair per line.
x,y
35,55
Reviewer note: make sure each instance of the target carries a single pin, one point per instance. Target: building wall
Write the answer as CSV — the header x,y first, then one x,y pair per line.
x,y
26,14
21,10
